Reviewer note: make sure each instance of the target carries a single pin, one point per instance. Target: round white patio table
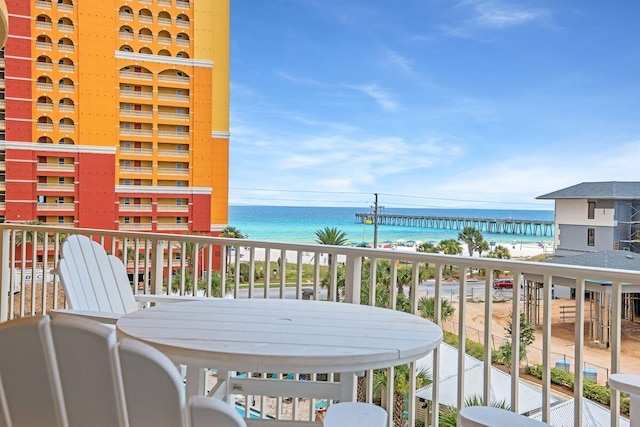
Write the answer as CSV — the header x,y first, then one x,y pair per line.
x,y
282,336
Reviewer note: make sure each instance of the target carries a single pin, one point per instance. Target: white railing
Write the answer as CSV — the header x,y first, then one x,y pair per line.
x,y
173,97
137,76
145,38
65,28
183,42
236,270
125,16
124,35
170,226
166,22
44,45
164,2
135,208
65,7
46,66
3,205
145,18
67,167
136,170
173,208
44,106
164,40
66,68
136,113
184,4
66,88
66,128
43,4
135,226
55,187
3,165
66,47
182,24
136,132
173,116
173,134
173,79
56,206
67,108
138,151
43,25
135,94
44,86
172,171
44,126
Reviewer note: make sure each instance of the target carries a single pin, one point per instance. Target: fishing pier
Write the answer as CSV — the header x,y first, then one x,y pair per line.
x,y
489,225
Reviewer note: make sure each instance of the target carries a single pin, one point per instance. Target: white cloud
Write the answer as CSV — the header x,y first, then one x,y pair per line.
x,y
379,95
400,61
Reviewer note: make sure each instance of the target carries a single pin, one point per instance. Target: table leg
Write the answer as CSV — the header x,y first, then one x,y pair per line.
x,y
348,392
195,382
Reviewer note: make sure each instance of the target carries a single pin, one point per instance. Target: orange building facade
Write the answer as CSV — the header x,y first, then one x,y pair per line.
x,y
115,114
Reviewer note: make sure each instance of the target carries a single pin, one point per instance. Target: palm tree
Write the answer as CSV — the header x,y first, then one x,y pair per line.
x,y
331,236
450,247
401,387
231,233
427,308
501,252
482,247
472,237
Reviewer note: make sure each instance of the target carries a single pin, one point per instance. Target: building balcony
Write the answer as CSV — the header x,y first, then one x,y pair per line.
x,y
183,24
136,132
183,42
66,108
166,22
145,38
3,124
65,28
135,170
135,208
66,88
44,46
66,128
136,151
136,226
3,104
3,206
172,97
173,134
164,2
125,16
43,4
183,4
173,79
136,113
145,18
3,165
173,153
44,126
47,87
56,167
173,171
173,116
69,48
164,40
56,206
43,25
62,7
56,187
136,95
173,208
163,226
3,186
44,66
145,1
123,35
457,375
136,76
66,68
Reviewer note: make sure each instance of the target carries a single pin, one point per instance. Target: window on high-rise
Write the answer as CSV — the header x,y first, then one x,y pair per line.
x,y
591,236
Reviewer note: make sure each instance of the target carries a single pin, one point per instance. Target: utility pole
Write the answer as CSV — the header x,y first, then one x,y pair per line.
x,y
375,221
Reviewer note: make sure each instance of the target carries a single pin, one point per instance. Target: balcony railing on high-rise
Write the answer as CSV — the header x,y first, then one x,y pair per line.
x,y
242,268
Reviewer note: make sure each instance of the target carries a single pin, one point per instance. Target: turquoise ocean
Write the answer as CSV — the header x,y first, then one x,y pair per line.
x,y
296,224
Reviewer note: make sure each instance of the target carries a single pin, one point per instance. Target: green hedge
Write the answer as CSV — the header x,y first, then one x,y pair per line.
x,y
590,390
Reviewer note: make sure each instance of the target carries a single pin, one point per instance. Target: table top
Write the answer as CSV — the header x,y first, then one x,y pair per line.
x,y
277,335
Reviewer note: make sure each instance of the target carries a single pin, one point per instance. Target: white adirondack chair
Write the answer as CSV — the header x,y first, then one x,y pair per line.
x,y
101,383
96,284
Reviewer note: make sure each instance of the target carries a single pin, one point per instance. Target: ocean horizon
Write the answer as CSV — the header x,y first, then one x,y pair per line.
x,y
298,224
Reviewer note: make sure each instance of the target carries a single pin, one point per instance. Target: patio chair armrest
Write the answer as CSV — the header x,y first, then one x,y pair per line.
x,y
209,411
98,316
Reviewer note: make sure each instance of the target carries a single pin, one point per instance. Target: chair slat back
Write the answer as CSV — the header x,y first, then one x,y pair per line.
x,y
30,384
92,279
88,363
153,387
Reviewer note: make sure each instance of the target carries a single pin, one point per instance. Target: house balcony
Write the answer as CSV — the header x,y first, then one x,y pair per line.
x,y
182,42
173,116
3,206
145,18
66,128
69,48
136,132
125,16
173,153
311,276
44,46
173,134
136,151
173,171
46,87
42,106
136,170
183,24
66,88
173,79
136,113
44,126
65,28
123,35
3,186
172,97
165,22
43,4
66,108
3,165
42,25
136,76
66,68
136,95
164,2
164,226
146,38
62,7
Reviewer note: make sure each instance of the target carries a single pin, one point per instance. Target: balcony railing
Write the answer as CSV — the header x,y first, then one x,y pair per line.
x,y
138,151
137,113
182,24
65,28
66,88
62,7
173,116
43,4
3,206
125,16
164,40
55,187
347,278
136,132
44,66
173,97
135,226
164,226
147,38
66,47
44,45
44,86
182,42
3,165
44,126
43,25
44,106
135,208
164,21
66,68
67,108
164,2
173,171
173,208
173,79
173,134
175,153
56,206
137,76
145,18
125,35
135,94
136,170
66,128
56,167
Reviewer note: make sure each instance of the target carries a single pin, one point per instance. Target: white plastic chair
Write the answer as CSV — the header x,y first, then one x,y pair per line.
x,y
69,372
488,416
30,390
353,414
96,284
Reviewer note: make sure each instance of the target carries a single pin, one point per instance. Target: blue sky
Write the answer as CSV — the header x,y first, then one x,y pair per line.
x,y
474,104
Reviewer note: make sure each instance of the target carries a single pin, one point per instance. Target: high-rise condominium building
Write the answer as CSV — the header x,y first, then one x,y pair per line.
x,y
115,114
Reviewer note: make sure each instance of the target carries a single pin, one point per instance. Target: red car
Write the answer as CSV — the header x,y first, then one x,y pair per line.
x,y
503,284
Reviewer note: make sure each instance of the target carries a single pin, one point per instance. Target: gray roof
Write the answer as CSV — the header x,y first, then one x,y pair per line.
x,y
597,190
623,260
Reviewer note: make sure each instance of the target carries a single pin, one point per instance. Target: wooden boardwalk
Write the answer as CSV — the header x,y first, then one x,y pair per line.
x,y
488,225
